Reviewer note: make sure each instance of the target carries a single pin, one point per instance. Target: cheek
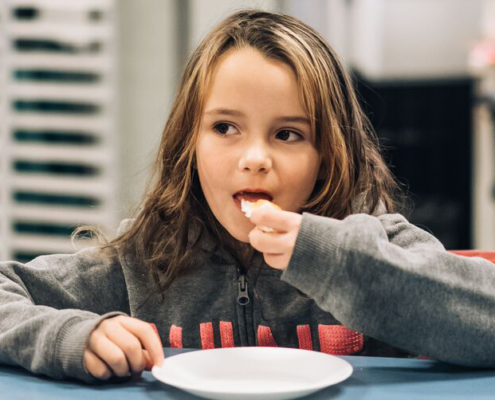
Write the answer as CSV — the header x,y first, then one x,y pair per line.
x,y
303,172
213,171
300,181
213,165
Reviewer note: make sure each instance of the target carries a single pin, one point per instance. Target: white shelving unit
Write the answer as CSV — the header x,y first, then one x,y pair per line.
x,y
58,141
4,196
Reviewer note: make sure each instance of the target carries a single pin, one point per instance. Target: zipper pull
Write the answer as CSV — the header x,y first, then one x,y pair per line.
x,y
243,296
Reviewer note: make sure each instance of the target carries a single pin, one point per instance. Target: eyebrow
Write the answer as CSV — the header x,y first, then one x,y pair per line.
x,y
235,113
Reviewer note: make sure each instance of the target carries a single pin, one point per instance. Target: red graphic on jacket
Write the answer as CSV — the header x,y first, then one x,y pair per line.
x,y
333,339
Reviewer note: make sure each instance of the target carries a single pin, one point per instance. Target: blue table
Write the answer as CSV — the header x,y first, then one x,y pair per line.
x,y
373,378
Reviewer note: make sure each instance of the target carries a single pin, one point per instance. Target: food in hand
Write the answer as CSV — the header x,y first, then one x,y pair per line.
x,y
248,207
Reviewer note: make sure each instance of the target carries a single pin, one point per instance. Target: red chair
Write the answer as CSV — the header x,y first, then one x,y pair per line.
x,y
488,255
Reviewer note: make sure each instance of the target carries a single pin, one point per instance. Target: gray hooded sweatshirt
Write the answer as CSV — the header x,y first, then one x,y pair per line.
x,y
365,285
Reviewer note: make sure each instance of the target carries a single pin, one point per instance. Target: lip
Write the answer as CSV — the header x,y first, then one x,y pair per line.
x,y
254,191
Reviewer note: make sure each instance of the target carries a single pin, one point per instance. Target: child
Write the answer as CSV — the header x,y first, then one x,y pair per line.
x,y
264,111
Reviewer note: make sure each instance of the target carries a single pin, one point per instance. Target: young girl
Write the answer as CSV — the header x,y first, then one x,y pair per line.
x,y
264,111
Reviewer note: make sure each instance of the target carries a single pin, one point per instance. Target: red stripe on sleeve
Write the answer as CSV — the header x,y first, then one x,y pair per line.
x,y
206,330
175,337
304,336
265,337
226,334
339,340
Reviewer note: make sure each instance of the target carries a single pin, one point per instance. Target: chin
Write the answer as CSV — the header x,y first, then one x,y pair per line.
x,y
240,236
238,231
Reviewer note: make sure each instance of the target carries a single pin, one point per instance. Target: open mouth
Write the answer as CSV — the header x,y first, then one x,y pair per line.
x,y
252,196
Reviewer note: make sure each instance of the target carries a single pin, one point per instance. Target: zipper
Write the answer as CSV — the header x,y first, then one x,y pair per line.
x,y
243,294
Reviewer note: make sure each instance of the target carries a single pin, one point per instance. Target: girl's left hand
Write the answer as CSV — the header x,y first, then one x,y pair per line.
x,y
277,247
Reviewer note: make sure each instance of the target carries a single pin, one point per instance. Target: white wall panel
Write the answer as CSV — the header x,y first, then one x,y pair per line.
x,y
403,39
149,58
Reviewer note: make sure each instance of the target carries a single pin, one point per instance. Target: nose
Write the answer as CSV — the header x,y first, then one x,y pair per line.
x,y
255,159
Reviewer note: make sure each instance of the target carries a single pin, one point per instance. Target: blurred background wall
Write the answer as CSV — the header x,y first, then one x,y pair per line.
x,y
86,87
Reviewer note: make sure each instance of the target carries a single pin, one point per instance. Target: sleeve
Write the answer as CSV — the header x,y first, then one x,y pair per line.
x,y
392,281
49,306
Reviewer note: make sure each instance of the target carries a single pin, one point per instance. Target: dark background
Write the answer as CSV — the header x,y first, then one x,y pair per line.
x,y
425,129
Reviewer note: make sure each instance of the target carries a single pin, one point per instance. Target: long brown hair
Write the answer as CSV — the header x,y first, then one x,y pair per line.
x,y
355,178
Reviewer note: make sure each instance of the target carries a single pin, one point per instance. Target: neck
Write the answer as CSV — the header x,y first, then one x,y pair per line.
x,y
244,252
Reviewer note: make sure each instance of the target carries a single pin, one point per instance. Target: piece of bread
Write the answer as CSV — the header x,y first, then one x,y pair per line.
x,y
248,207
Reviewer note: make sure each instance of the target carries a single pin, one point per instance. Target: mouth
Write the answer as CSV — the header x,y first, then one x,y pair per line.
x,y
252,195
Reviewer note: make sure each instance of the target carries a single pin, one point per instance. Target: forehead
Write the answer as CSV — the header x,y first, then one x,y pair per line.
x,y
246,80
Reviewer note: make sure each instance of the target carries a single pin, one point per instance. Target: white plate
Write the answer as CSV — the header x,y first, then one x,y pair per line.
x,y
244,373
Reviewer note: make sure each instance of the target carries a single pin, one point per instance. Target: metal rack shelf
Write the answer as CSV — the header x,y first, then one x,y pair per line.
x,y
58,140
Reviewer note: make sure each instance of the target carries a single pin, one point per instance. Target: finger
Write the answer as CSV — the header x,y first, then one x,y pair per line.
x,y
110,353
95,366
281,221
156,330
149,363
268,242
147,336
130,345
277,261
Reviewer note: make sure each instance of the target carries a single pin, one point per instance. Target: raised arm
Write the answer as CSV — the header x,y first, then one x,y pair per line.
x,y
390,280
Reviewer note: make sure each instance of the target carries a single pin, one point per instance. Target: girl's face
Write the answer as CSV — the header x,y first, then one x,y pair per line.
x,y
255,139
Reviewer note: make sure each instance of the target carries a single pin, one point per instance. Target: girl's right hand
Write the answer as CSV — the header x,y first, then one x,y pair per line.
x,y
122,346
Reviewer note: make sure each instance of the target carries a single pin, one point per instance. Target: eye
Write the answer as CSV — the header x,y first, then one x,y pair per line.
x,y
289,136
224,129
